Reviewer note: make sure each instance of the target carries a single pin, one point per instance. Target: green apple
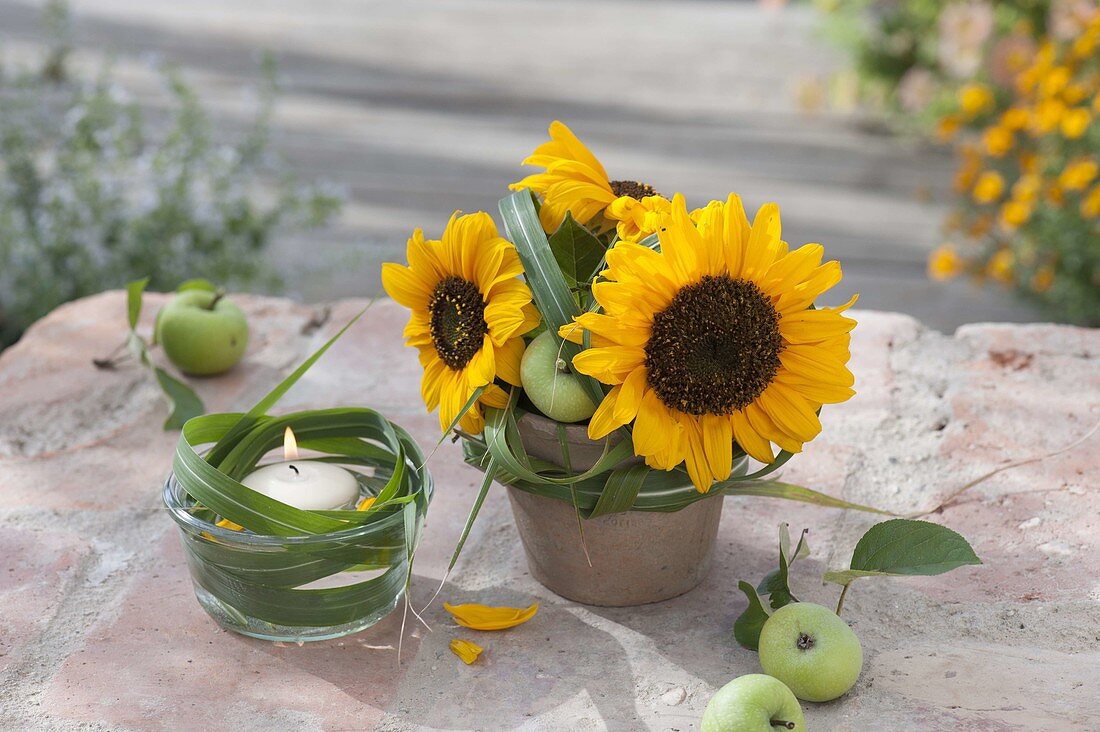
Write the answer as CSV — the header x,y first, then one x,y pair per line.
x,y
811,650
550,385
753,703
201,332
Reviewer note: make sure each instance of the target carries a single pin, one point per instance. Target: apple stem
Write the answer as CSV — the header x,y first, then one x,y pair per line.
x,y
112,359
840,602
782,723
217,296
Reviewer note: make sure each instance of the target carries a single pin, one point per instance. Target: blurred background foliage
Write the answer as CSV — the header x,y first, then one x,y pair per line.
x,y
1014,86
93,194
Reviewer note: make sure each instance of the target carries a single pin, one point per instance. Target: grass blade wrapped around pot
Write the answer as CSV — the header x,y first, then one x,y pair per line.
x,y
268,569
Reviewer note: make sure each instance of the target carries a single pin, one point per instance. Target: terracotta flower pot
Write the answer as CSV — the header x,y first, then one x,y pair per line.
x,y
637,556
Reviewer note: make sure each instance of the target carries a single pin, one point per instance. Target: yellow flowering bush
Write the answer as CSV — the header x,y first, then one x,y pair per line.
x,y
1028,180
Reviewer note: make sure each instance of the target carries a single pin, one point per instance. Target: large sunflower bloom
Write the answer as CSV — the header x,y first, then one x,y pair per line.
x,y
576,182
469,313
712,341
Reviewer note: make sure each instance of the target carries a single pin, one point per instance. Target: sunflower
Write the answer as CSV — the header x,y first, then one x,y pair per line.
x,y
712,340
469,313
575,181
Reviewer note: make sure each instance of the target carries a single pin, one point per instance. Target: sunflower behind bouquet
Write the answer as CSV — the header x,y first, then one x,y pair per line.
x,y
695,332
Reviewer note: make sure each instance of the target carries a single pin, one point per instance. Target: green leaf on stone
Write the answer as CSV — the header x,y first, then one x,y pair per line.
x,y
776,583
577,250
185,402
746,629
906,547
134,291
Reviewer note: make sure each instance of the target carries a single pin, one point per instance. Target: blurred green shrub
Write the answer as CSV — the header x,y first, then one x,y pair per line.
x,y
92,196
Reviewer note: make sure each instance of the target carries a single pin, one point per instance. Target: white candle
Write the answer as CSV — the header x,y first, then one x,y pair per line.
x,y
304,484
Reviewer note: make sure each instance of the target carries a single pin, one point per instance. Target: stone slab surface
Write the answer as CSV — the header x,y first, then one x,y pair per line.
x,y
99,628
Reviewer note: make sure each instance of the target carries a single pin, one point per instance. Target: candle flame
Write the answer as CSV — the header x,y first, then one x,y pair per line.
x,y
290,445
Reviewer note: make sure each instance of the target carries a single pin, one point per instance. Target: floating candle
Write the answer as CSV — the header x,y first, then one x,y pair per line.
x,y
306,484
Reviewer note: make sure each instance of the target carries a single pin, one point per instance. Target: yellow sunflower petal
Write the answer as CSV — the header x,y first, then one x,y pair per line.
x,y
603,421
802,296
422,257
485,617
227,524
508,358
366,503
405,286
791,412
611,330
432,381
654,426
737,233
812,326
631,395
815,391
681,246
790,271
749,439
695,457
764,243
494,396
466,650
717,434
610,365
764,426
482,368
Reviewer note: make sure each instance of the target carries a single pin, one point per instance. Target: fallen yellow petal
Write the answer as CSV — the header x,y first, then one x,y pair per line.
x,y
367,503
227,524
483,617
466,650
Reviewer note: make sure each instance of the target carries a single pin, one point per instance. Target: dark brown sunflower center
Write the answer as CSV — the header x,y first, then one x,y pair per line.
x,y
458,324
633,189
715,348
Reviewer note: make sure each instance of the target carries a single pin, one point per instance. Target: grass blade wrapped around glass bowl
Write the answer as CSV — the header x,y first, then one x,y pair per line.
x,y
254,580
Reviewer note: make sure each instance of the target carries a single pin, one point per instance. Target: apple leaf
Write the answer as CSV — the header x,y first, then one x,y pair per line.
x,y
906,547
746,629
185,402
775,583
577,251
134,291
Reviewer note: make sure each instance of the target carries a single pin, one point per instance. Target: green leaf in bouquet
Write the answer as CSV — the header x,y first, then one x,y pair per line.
x,y
577,250
486,483
906,547
549,288
621,489
747,627
790,492
185,402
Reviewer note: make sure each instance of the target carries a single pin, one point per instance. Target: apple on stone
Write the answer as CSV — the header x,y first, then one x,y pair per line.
x,y
812,650
753,703
556,391
202,332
